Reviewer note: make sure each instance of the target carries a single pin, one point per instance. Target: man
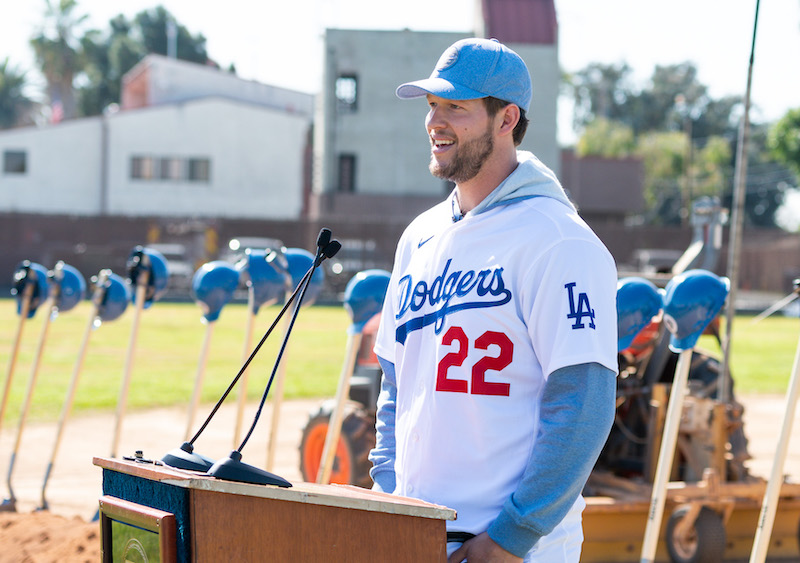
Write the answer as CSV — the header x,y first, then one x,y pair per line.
x,y
498,334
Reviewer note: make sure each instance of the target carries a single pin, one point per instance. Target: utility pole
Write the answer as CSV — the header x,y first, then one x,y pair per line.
x,y
172,39
682,105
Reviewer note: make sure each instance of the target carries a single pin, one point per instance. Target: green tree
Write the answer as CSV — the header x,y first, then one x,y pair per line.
x,y
153,26
59,54
604,137
673,99
664,157
14,104
108,59
109,56
600,91
687,139
717,118
783,140
674,175
767,181
711,171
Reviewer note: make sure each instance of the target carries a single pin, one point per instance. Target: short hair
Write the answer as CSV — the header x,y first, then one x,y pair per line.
x,y
494,105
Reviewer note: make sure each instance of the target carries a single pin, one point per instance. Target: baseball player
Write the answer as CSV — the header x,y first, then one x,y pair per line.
x,y
498,334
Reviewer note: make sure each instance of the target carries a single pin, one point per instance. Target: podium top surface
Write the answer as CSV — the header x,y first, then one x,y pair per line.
x,y
341,496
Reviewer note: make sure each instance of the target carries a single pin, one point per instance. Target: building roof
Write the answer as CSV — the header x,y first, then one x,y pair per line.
x,y
521,21
157,80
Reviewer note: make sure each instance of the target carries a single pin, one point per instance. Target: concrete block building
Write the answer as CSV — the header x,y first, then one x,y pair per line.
x,y
370,148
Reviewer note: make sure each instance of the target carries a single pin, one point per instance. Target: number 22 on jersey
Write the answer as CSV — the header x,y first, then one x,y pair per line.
x,y
467,352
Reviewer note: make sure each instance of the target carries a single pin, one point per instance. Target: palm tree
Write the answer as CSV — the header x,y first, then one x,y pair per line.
x,y
59,54
14,104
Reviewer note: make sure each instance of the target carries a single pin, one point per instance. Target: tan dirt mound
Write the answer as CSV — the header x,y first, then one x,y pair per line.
x,y
43,537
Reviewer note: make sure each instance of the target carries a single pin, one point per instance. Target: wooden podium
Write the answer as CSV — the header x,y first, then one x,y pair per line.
x,y
158,513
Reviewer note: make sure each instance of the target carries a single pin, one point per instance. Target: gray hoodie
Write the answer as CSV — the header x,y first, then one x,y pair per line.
x,y
530,178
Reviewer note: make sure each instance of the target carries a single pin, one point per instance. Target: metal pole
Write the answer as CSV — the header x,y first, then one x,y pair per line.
x,y
737,220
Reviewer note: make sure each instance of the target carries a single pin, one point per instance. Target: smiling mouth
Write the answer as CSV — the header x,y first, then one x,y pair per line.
x,y
441,144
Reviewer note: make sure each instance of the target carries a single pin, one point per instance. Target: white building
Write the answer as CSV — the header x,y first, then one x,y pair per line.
x,y
190,140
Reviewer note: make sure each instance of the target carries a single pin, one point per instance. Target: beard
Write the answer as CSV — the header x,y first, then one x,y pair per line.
x,y
467,162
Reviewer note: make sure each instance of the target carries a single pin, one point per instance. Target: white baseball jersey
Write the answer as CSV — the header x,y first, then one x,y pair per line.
x,y
478,313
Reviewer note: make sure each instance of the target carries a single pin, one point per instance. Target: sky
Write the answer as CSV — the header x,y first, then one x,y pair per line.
x,y
281,43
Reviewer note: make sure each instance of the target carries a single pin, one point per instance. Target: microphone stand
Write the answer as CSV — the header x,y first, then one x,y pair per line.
x,y
184,457
233,468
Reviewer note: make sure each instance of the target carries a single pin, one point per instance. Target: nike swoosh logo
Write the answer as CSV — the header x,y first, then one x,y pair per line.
x,y
421,242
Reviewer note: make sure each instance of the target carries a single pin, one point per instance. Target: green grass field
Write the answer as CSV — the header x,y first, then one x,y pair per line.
x,y
166,356
170,340
762,354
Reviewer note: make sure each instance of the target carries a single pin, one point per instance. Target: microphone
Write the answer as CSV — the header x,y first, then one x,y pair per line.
x,y
184,457
323,238
329,251
233,468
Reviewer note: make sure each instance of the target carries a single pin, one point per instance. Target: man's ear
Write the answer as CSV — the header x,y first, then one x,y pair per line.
x,y
510,117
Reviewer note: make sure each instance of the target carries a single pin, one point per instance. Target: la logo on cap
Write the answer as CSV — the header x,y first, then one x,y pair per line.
x,y
448,59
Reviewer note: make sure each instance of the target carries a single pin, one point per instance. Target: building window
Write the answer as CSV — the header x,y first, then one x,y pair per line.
x,y
347,93
199,170
142,168
170,169
347,173
15,162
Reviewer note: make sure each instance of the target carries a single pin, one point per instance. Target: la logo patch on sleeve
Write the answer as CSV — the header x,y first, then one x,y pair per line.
x,y
580,310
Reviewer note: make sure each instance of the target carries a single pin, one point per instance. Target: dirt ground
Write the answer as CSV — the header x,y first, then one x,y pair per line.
x,y
67,533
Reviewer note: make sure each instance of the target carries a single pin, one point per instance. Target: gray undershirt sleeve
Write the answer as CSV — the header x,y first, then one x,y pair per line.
x,y
577,412
383,456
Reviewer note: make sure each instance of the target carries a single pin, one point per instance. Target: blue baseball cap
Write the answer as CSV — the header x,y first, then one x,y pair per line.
x,y
638,301
475,68
693,299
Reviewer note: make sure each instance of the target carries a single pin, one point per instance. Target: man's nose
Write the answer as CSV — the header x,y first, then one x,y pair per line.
x,y
434,119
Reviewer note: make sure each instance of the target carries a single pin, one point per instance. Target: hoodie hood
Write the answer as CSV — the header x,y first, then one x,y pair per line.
x,y
531,178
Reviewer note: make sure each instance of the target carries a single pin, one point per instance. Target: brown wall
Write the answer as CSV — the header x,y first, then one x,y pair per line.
x,y
91,244
769,262
770,259
603,185
94,243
